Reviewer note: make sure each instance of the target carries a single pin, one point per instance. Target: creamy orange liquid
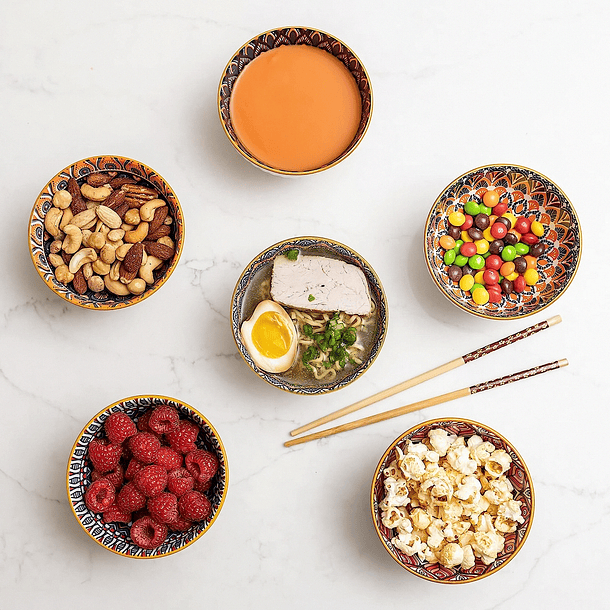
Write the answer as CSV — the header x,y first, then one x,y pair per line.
x,y
295,108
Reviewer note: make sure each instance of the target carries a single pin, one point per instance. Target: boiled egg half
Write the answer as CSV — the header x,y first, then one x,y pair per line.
x,y
270,337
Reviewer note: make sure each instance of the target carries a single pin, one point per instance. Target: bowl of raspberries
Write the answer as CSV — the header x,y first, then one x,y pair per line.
x,y
147,476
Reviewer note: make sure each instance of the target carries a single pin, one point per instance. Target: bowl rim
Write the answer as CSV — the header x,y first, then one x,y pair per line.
x,y
268,168
442,420
135,299
381,291
226,477
482,314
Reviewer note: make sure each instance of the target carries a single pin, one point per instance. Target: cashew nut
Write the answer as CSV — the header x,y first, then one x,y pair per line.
x,y
115,286
66,219
55,259
86,235
108,254
83,219
62,200
95,283
73,240
116,234
95,193
87,269
132,217
86,255
146,270
52,221
100,267
115,271
127,227
147,211
63,274
137,286
96,240
138,235
109,217
55,246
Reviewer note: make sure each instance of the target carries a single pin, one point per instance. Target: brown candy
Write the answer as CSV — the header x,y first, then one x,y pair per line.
x,y
496,246
455,232
510,239
481,221
475,233
537,249
455,273
520,264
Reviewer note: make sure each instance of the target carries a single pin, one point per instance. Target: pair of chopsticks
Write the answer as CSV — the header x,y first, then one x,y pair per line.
x,y
429,402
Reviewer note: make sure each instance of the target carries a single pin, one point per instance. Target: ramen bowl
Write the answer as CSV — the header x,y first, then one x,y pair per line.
x,y
254,286
115,536
416,559
527,194
44,246
274,39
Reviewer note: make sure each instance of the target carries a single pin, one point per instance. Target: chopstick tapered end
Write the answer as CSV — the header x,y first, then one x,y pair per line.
x,y
563,362
554,320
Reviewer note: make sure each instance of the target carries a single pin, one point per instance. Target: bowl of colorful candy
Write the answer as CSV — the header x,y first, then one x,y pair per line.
x,y
147,476
502,242
452,501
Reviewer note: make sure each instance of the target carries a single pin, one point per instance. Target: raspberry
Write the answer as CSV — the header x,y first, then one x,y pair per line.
x,y
100,495
133,467
104,455
201,464
115,476
202,486
115,514
164,508
144,447
179,481
180,524
119,427
194,506
147,533
183,438
168,458
151,480
143,422
163,419
130,498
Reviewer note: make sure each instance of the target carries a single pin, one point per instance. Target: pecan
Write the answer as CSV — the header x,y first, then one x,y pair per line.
x,y
137,190
135,202
122,210
133,259
66,257
162,231
79,282
115,199
78,202
117,183
161,251
158,218
98,179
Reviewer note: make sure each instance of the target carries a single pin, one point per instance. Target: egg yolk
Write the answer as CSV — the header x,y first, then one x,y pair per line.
x,y
271,336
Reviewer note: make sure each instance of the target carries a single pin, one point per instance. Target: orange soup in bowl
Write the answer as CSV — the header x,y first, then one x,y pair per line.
x,y
296,108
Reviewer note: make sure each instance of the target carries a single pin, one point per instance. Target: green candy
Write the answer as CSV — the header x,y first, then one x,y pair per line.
x,y
472,208
486,254
508,253
485,210
476,261
460,260
458,245
521,248
449,257
476,287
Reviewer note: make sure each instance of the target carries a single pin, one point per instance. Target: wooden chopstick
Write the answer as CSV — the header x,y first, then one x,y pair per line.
x,y
444,368
429,402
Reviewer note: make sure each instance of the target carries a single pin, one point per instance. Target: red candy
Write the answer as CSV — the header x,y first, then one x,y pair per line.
x,y
529,238
499,230
500,208
523,225
519,284
468,249
491,276
467,223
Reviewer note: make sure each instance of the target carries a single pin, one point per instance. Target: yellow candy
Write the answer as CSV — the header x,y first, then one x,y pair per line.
x,y
478,277
511,217
457,219
512,276
487,234
482,246
537,228
531,277
480,296
465,236
467,282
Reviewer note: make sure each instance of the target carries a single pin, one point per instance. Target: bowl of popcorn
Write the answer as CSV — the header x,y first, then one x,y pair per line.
x,y
106,232
452,500
147,476
502,242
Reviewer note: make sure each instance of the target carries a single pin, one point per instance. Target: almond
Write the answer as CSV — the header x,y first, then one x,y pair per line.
x,y
117,183
133,259
78,202
79,282
161,251
158,218
98,179
109,217
115,199
162,231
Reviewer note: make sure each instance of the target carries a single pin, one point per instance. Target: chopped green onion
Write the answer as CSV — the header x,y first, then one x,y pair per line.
x,y
311,298
292,255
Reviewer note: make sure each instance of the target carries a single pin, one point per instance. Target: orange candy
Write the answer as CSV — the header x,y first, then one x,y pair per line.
x,y
532,263
491,198
507,268
447,242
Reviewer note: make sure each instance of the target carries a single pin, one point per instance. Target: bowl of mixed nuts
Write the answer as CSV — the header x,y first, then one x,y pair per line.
x,y
106,232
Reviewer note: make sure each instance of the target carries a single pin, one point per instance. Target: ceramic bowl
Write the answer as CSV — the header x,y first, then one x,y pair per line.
x,y
517,474
293,36
115,536
527,193
40,240
253,286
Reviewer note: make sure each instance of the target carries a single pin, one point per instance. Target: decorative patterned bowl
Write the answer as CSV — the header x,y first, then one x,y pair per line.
x,y
115,536
517,474
253,286
40,241
528,193
293,36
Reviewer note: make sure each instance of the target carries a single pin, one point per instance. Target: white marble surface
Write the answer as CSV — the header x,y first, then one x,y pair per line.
x,y
456,85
